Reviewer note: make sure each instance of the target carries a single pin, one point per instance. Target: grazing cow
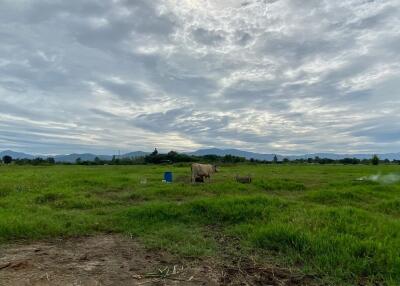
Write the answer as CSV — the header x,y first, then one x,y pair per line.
x,y
202,171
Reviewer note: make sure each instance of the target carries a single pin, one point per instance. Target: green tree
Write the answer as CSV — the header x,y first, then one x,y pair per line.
x,y
78,161
172,153
7,159
375,160
275,159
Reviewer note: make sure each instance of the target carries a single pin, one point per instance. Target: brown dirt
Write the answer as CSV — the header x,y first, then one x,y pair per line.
x,y
118,260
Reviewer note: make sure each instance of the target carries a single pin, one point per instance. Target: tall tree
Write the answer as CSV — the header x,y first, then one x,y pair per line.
x,y
7,159
375,160
155,152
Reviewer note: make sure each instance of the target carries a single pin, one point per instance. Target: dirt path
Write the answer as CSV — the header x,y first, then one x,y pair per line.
x,y
118,260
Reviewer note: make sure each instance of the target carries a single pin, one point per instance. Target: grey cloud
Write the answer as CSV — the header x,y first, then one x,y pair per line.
x,y
379,129
273,76
124,90
187,85
295,49
147,19
15,110
380,18
381,133
104,114
243,38
13,86
181,120
208,37
255,98
39,12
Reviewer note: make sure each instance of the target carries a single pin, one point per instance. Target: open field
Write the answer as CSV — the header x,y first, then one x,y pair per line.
x,y
317,220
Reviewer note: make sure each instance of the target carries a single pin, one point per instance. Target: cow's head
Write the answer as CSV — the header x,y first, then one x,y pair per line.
x,y
215,168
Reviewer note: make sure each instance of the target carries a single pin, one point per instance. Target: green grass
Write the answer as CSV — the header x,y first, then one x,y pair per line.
x,y
316,218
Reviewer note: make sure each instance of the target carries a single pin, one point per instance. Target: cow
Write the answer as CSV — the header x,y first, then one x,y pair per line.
x,y
202,171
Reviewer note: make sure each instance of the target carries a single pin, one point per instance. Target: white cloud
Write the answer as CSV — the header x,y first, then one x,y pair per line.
x,y
270,76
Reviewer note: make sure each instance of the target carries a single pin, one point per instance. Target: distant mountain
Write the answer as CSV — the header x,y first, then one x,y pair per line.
x,y
16,155
135,154
333,156
71,158
390,156
269,157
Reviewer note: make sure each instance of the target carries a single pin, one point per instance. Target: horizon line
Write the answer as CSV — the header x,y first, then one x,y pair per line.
x,y
186,152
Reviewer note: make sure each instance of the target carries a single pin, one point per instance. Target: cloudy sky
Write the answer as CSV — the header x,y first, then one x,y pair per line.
x,y
282,76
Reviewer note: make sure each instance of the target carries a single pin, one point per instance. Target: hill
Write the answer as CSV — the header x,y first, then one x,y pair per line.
x,y
70,158
16,155
269,157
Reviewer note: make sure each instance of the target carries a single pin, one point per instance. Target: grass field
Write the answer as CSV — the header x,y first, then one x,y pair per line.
x,y
317,218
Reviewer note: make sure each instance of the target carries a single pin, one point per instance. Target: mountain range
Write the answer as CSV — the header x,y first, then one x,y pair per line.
x,y
71,158
270,157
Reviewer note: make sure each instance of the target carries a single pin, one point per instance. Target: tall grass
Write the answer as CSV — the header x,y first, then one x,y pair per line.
x,y
319,219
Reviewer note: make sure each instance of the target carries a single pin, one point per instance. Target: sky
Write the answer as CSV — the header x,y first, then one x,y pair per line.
x,y
271,76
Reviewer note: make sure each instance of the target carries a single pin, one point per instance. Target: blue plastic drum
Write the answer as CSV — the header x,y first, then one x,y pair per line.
x,y
168,177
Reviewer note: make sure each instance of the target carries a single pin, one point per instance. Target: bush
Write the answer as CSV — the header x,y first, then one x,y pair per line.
x,y
7,159
375,160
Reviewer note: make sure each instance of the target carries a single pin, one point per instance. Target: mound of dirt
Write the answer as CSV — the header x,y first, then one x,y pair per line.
x,y
118,260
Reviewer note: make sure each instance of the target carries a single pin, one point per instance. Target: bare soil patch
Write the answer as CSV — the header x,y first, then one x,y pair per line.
x,y
119,260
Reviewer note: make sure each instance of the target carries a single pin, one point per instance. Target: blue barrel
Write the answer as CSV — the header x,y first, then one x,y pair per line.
x,y
168,177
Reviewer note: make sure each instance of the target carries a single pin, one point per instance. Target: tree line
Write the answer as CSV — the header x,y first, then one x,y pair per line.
x,y
173,157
